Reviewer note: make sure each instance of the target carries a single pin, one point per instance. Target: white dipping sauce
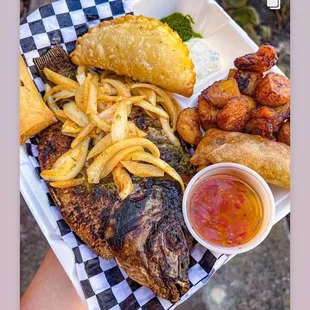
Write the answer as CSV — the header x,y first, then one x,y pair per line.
x,y
205,58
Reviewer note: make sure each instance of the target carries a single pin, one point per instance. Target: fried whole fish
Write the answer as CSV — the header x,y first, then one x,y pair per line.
x,y
145,233
140,47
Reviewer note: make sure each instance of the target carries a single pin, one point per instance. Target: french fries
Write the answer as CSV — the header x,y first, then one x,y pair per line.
x,y
59,79
69,165
94,170
67,183
142,170
73,112
149,158
119,122
122,181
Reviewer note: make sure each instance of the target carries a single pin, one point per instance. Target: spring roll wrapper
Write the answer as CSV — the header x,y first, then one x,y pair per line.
x,y
268,158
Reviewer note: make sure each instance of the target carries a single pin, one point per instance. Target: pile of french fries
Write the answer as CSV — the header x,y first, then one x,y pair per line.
x,y
95,112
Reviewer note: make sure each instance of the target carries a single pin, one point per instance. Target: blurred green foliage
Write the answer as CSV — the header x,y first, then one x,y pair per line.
x,y
249,19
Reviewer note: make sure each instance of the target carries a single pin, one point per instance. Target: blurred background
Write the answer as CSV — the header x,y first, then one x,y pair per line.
x,y
257,280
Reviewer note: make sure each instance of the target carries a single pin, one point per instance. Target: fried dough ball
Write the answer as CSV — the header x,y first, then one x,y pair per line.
x,y
261,61
260,126
248,81
188,126
234,115
284,134
207,113
251,102
274,90
283,111
270,114
221,91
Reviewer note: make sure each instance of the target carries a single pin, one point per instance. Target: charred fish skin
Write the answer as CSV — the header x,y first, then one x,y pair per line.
x,y
148,237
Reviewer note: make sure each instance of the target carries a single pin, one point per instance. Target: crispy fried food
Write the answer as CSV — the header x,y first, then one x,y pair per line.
x,y
188,126
140,47
207,113
261,61
247,81
284,111
232,73
34,114
284,134
234,115
268,158
221,91
260,126
269,114
274,90
251,102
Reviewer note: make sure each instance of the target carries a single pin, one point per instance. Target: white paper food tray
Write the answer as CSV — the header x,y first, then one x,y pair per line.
x,y
224,35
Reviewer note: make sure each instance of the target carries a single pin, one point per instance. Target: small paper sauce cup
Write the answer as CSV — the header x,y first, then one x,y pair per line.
x,y
256,182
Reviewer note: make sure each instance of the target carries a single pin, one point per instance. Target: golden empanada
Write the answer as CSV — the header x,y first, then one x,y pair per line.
x,y
142,48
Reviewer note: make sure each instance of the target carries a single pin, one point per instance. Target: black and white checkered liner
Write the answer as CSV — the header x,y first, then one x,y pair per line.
x,y
104,283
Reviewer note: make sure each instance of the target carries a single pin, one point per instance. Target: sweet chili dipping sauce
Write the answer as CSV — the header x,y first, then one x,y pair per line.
x,y
225,211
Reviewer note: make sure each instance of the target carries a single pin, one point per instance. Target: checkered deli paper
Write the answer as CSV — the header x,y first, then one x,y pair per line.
x,y
104,283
